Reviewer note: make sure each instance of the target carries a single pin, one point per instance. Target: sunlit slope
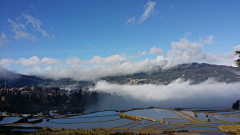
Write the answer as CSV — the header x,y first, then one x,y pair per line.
x,y
196,72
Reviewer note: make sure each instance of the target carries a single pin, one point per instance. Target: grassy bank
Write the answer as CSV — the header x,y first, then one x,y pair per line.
x,y
230,128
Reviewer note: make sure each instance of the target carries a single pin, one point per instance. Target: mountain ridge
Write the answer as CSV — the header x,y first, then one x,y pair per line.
x,y
198,72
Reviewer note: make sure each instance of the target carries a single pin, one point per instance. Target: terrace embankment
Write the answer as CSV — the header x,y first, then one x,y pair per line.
x,y
138,120
230,128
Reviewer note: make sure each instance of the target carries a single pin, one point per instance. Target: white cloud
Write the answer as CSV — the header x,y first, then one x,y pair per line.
x,y
74,60
47,60
113,59
33,70
186,51
23,31
48,68
6,62
3,36
131,21
16,26
90,44
187,34
149,8
3,43
141,52
92,73
180,92
24,35
3,39
34,60
37,25
183,51
209,40
35,64
20,31
155,51
32,7
236,48
5,74
132,57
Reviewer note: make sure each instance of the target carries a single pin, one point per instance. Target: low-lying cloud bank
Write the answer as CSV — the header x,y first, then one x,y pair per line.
x,y
5,74
183,51
179,93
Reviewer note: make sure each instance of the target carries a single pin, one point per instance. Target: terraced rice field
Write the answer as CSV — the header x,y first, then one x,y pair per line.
x,y
160,121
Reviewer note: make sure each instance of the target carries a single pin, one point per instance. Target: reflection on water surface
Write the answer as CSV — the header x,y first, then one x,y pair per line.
x,y
166,119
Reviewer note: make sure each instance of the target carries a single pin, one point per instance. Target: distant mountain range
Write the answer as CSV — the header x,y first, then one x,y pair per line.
x,y
194,71
18,80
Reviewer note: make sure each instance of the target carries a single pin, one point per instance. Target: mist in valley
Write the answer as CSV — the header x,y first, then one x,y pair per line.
x,y
178,94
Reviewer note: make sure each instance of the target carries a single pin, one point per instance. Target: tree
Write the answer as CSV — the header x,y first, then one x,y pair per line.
x,y
237,62
236,105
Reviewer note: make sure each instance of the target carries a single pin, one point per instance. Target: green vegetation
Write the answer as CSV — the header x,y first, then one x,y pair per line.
x,y
230,128
196,72
76,102
237,62
49,131
135,118
236,105
25,80
100,131
52,131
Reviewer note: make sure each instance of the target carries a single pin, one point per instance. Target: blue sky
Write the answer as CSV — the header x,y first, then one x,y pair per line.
x,y
74,38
